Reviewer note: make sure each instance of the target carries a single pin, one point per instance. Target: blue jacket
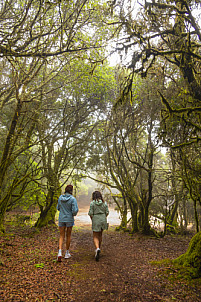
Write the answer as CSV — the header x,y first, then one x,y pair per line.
x,y
68,208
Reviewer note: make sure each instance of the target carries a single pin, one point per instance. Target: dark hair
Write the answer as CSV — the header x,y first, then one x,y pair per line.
x,y
69,189
96,195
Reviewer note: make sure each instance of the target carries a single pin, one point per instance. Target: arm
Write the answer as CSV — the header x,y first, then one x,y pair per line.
x,y
106,209
58,204
74,207
91,210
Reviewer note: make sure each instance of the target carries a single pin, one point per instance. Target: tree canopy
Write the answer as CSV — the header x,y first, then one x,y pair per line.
x,y
65,111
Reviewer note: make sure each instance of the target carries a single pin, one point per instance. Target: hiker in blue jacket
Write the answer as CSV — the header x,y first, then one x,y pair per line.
x,y
68,208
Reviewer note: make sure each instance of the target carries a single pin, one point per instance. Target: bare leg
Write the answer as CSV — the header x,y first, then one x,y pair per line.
x,y
100,238
97,236
96,239
61,237
68,237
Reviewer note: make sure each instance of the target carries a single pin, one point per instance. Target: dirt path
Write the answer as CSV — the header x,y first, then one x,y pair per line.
x,y
29,271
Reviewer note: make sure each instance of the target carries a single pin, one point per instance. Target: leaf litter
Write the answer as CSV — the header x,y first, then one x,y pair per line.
x,y
126,270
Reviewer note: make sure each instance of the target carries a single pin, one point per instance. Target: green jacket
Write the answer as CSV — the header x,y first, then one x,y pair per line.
x,y
98,212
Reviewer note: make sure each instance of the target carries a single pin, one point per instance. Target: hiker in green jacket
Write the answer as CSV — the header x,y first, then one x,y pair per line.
x,y
98,212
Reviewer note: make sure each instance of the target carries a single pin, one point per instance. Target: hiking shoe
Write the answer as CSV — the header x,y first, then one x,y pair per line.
x,y
59,258
67,255
97,254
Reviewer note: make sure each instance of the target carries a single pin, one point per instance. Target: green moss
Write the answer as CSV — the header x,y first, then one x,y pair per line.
x,y
186,266
77,264
161,262
77,271
191,260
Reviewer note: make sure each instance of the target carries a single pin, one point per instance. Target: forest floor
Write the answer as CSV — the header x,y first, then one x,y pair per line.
x,y
125,271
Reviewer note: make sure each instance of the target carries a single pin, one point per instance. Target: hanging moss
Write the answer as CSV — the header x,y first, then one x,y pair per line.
x,y
191,260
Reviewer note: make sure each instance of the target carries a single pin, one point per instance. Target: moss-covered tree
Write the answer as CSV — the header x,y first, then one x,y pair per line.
x,y
191,260
36,34
70,127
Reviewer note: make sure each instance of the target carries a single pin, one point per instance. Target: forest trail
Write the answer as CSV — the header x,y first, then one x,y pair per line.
x,y
30,272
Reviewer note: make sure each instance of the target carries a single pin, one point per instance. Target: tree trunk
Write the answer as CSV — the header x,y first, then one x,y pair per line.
x,y
196,215
123,225
174,187
134,208
47,215
185,214
123,212
141,215
3,207
5,161
146,225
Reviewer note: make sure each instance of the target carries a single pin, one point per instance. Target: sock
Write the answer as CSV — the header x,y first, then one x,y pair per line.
x,y
60,252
